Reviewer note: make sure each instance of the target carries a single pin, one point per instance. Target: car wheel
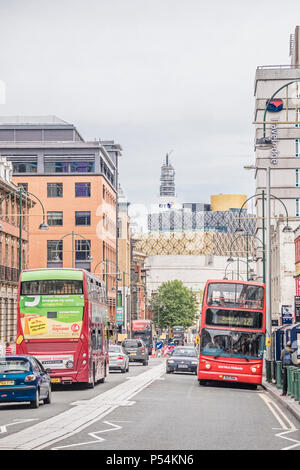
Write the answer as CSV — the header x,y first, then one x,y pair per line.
x,y
36,402
168,371
127,370
123,370
145,363
47,400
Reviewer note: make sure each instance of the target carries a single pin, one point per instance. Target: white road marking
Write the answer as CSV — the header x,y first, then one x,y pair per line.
x,y
3,428
286,426
97,439
72,421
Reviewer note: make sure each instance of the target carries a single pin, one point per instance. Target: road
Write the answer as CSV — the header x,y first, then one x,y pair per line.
x,y
148,409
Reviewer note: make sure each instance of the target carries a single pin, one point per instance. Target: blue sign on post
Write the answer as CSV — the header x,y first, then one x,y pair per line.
x,y
286,315
159,344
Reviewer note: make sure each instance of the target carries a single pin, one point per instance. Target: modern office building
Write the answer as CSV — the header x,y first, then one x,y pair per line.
x,y
76,181
282,124
277,117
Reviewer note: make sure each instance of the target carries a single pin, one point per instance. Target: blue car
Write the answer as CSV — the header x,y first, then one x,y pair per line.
x,y
23,378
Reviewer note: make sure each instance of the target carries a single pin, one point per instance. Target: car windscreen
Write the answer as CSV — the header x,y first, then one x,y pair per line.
x,y
131,344
13,366
184,352
116,349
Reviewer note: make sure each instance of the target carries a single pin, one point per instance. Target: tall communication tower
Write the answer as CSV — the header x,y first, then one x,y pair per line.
x,y
167,179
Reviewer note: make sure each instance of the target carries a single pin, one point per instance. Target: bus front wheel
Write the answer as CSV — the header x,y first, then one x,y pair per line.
x,y
202,382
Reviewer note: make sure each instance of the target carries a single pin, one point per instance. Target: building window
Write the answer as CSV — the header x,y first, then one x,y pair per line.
x,y
297,148
24,167
82,250
24,186
82,189
82,167
119,228
297,118
56,167
69,167
55,190
297,177
54,250
54,218
83,218
297,207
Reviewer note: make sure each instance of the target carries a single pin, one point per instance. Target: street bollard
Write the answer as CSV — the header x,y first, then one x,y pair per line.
x,y
293,381
268,371
278,374
292,394
296,372
298,384
289,382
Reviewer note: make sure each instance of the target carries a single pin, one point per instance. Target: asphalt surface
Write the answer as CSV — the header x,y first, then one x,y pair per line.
x,y
148,409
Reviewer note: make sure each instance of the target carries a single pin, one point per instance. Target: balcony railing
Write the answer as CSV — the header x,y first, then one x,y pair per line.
x,y
9,274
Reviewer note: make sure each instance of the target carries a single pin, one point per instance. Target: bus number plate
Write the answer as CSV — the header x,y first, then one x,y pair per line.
x,y
229,378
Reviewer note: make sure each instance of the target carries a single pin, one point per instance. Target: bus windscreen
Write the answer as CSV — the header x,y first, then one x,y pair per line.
x,y
228,343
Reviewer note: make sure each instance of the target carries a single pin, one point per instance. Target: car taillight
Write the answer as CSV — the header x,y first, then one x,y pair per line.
x,y
120,357
143,350
29,378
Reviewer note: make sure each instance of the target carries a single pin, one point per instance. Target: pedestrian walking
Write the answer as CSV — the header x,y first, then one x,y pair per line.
x,y
286,360
8,349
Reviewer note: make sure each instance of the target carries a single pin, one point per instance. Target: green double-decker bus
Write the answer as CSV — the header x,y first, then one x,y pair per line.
x,y
62,320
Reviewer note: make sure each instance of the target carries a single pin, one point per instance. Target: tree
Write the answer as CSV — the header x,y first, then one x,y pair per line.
x,y
174,304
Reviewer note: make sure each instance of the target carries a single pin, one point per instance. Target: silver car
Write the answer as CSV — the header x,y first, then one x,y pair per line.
x,y
118,359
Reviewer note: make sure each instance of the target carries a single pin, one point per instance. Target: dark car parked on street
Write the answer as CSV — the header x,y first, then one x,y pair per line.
x,y
136,350
182,359
23,378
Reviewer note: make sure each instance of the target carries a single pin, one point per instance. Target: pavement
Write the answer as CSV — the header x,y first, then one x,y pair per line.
x,y
286,401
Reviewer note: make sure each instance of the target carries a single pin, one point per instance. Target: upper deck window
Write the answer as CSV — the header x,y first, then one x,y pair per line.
x,y
51,287
235,295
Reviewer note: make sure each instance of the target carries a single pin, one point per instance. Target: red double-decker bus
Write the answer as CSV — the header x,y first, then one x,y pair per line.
x,y
62,318
232,333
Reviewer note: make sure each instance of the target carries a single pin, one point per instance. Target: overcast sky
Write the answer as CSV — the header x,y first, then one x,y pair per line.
x,y
153,75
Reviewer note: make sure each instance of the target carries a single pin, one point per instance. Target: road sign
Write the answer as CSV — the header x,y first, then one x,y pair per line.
x,y
286,314
119,315
159,345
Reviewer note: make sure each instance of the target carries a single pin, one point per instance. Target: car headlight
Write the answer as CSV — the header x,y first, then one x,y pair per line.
x,y
195,362
170,360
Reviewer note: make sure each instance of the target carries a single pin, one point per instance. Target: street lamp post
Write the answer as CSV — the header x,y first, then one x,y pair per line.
x,y
238,260
287,228
230,259
73,234
43,226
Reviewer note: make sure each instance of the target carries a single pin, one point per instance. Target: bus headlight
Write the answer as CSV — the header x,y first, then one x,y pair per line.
x,y
253,369
207,366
